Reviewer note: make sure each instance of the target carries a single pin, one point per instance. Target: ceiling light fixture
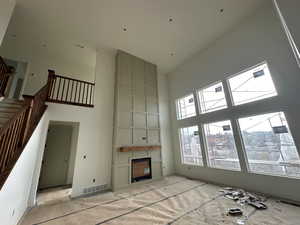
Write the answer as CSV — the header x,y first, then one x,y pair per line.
x,y
79,46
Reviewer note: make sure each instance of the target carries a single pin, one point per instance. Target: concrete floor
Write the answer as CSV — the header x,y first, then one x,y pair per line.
x,y
173,200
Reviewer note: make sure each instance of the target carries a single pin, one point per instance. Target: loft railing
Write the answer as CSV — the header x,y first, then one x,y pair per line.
x,y
66,90
17,131
4,76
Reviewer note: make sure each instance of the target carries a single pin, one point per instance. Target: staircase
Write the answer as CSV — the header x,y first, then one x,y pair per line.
x,y
18,119
8,108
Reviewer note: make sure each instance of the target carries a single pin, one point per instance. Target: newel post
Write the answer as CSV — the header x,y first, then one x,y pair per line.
x,y
29,102
51,78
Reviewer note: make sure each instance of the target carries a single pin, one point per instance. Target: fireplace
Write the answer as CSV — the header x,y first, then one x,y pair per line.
x,y
141,169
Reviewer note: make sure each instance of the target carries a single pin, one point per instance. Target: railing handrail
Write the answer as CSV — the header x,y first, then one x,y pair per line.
x,y
67,90
69,78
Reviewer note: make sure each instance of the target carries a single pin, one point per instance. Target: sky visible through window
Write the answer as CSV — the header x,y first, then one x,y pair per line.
x,y
252,85
212,98
186,107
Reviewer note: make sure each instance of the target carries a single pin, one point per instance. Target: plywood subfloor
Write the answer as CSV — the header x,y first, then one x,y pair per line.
x,y
174,200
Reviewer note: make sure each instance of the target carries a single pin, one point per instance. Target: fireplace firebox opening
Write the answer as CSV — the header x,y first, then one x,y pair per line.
x,y
141,169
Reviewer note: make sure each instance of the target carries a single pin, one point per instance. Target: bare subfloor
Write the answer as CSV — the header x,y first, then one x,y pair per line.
x,y
174,200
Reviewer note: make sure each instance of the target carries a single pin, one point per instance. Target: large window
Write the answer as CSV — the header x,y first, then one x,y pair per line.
x,y
269,145
186,107
252,85
190,145
221,146
265,139
212,98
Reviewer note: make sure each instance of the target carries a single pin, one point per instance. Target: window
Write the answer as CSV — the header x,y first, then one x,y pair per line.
x,y
220,144
212,98
252,85
186,107
190,146
269,145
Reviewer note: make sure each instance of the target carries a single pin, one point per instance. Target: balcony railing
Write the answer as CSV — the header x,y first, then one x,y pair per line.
x,y
66,90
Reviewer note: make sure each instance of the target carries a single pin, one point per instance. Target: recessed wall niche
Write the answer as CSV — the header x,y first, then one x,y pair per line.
x,y
136,116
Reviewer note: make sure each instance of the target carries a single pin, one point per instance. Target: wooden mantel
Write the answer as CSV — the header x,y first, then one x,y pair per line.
x,y
140,148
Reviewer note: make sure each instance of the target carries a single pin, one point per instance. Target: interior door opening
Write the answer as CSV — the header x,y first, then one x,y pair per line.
x,y
57,170
16,81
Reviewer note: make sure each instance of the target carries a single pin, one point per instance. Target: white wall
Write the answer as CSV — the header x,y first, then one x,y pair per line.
x,y
64,58
258,38
165,127
290,10
72,158
6,10
16,192
95,128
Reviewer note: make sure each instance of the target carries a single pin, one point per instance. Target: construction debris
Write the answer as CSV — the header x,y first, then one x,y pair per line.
x,y
235,212
242,198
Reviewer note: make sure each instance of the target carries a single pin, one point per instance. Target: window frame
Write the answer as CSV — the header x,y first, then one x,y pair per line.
x,y
206,87
240,73
244,146
177,108
181,146
207,150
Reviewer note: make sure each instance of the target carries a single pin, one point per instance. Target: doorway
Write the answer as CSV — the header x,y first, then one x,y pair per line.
x,y
16,81
56,177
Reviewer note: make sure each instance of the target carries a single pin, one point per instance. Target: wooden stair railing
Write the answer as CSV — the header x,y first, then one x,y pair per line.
x,y
15,134
17,131
66,90
4,76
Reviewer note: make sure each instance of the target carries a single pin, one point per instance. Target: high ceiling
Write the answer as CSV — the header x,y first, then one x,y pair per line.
x,y
165,32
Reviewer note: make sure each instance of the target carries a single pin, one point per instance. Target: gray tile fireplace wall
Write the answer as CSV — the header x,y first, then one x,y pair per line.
x,y
136,119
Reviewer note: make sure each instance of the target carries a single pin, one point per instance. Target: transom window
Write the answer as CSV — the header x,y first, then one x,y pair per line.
x,y
252,85
220,145
269,145
212,98
186,107
190,145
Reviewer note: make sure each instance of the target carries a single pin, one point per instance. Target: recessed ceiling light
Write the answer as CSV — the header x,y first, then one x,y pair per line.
x,y
79,46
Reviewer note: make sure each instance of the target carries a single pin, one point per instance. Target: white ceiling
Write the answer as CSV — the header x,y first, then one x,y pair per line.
x,y
150,35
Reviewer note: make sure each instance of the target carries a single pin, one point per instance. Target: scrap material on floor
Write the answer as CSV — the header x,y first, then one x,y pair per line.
x,y
173,200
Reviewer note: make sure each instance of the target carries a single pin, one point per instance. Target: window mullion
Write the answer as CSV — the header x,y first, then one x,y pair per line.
x,y
240,146
200,129
203,146
227,94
